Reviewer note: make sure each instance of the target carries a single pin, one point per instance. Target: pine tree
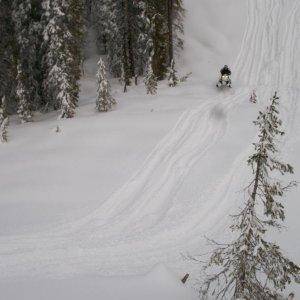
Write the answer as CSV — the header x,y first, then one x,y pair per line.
x,y
250,265
178,14
77,29
150,79
60,65
129,39
27,27
98,21
7,50
115,27
173,79
104,100
23,111
157,13
125,28
125,16
170,16
144,35
3,122
111,13
65,95
167,37
253,97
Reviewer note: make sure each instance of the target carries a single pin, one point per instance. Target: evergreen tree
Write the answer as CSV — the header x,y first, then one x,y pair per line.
x,y
157,13
167,37
144,36
65,95
124,26
26,18
41,45
99,22
104,100
128,38
173,79
3,121
7,50
170,17
250,265
110,26
111,11
253,97
77,28
121,39
61,75
150,79
177,12
22,92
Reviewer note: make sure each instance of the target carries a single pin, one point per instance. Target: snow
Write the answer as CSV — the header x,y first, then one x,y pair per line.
x,y
158,284
116,194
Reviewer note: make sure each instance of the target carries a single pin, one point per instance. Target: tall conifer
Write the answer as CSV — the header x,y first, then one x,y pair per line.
x,y
250,267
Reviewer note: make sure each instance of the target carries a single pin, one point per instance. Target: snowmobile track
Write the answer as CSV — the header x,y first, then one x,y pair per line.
x,y
139,215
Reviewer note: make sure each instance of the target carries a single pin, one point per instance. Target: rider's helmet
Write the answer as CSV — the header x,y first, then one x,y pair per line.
x,y
225,67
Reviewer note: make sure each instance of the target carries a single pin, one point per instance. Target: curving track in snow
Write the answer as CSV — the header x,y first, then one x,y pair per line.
x,y
143,222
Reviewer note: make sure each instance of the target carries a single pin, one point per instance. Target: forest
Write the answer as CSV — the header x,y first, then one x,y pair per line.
x,y
41,50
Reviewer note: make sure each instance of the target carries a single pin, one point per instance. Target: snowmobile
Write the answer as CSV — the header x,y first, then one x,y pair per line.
x,y
224,81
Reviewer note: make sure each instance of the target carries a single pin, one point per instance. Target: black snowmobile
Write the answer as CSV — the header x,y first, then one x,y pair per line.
x,y
225,77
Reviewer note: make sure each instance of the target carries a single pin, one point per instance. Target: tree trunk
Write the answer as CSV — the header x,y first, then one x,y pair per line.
x,y
126,66
130,41
170,30
240,284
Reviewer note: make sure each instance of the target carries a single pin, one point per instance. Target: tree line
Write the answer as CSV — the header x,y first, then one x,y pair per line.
x,y
41,47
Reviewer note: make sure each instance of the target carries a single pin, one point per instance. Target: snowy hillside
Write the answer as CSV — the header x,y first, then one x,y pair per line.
x,y
117,194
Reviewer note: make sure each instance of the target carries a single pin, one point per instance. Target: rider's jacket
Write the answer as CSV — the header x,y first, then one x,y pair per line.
x,y
225,71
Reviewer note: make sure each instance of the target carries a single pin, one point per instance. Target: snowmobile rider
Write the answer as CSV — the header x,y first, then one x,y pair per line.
x,y
225,71
225,77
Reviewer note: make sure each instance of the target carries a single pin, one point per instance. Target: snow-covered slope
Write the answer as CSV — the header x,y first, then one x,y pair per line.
x,y
116,194
160,284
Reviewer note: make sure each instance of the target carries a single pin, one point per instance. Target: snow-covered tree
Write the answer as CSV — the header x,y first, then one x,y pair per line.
x,y
116,29
177,13
250,267
76,24
124,28
114,36
157,12
150,79
104,101
173,79
3,122
27,27
144,35
253,97
61,75
24,111
65,95
7,41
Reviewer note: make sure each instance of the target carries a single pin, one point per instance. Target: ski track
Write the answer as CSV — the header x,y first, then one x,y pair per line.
x,y
136,227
